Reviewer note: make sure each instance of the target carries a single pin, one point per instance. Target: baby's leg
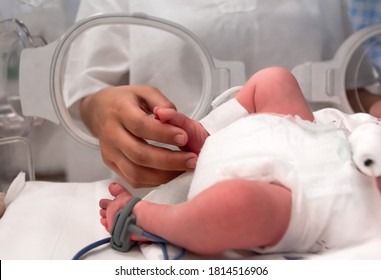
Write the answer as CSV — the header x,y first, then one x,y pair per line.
x,y
274,90
195,131
235,214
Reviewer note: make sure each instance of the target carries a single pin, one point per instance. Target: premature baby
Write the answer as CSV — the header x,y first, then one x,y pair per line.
x,y
280,179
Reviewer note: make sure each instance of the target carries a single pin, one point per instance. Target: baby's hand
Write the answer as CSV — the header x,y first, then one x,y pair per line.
x,y
195,131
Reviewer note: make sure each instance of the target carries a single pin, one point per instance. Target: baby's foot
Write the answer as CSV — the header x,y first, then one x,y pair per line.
x,y
109,208
196,132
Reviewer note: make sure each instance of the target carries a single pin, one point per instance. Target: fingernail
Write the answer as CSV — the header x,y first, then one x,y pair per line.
x,y
191,163
179,139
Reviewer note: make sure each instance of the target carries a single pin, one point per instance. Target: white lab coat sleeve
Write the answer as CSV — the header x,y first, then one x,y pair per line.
x,y
97,58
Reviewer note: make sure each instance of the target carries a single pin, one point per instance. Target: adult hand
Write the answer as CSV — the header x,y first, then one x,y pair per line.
x,y
121,119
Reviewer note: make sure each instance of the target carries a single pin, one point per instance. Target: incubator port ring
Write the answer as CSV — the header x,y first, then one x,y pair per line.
x,y
57,65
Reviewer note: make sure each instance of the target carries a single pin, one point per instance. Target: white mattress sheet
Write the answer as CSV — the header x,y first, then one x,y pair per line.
x,y
46,220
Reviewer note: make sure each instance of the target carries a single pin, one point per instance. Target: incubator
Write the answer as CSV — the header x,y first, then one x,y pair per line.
x,y
217,75
14,38
15,149
323,83
22,26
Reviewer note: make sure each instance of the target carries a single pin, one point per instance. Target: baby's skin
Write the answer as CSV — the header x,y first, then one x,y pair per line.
x,y
204,224
212,221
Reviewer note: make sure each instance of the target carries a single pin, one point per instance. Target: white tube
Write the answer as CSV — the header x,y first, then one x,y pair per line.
x,y
365,141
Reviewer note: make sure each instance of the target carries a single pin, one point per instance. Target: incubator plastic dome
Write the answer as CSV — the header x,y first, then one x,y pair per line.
x,y
50,61
14,37
325,84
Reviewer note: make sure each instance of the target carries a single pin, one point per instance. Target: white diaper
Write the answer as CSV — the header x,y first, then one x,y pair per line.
x,y
333,204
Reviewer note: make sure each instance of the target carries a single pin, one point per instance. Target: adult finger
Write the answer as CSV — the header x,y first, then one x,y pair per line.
x,y
146,127
144,154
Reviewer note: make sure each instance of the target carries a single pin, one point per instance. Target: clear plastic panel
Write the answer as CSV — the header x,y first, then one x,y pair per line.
x,y
351,80
14,37
167,62
363,75
175,58
15,156
106,45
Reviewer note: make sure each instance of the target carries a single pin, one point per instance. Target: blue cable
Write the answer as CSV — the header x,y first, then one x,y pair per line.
x,y
162,242
154,237
123,231
91,247
180,255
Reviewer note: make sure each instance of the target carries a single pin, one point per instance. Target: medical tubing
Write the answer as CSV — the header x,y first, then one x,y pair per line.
x,y
162,242
90,247
164,250
122,229
156,239
23,28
